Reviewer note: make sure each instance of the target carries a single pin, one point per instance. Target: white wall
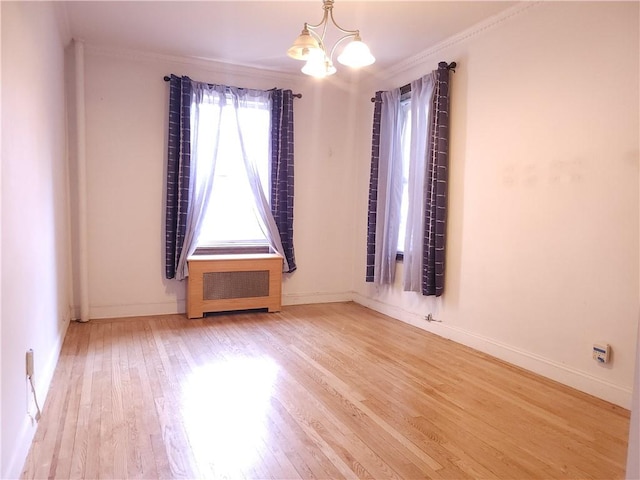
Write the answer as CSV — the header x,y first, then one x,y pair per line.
x,y
35,287
542,255
633,449
126,113
1,429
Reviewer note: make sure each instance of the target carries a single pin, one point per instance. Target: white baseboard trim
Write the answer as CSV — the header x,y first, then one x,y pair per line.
x,y
316,297
571,377
168,308
137,310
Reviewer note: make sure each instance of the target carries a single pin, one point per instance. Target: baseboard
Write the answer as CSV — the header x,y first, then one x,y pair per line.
x,y
136,310
170,308
167,308
316,297
24,437
123,311
571,377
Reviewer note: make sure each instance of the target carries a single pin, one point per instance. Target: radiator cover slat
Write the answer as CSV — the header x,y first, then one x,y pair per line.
x,y
223,285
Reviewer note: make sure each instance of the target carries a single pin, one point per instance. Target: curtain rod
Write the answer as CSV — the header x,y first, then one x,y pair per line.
x,y
297,95
407,88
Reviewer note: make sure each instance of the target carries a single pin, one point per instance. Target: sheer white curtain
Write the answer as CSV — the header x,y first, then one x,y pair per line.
x,y
421,99
207,102
244,100
389,189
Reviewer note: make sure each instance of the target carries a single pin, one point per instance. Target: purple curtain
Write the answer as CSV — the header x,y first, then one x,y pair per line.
x,y
373,188
436,195
178,170
282,169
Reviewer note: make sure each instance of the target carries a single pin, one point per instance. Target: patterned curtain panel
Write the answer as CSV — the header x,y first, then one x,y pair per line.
x,y
373,189
436,200
282,169
178,170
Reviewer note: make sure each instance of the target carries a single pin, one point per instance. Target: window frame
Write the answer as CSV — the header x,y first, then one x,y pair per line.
x,y
405,110
244,245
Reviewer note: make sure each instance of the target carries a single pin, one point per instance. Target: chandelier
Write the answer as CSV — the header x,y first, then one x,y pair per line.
x,y
310,47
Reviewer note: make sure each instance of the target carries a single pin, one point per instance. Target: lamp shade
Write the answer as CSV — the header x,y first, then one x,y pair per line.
x,y
318,65
302,45
356,54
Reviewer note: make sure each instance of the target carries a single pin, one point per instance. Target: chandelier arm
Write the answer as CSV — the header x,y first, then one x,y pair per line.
x,y
324,29
343,30
339,41
319,39
321,22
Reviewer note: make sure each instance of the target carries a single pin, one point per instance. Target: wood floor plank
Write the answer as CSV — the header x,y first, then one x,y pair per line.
x,y
311,392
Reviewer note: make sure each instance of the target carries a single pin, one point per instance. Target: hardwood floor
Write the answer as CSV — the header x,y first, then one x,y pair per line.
x,y
315,391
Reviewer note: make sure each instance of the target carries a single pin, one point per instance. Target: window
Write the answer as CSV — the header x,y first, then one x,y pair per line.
x,y
405,141
408,205
241,139
230,219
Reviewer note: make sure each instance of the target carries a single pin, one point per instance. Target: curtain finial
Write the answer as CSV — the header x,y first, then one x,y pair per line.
x,y
448,66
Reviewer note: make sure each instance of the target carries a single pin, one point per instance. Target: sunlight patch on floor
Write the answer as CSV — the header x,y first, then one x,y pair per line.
x,y
225,406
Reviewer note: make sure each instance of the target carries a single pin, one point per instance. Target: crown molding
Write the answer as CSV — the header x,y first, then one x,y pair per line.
x,y
199,62
477,29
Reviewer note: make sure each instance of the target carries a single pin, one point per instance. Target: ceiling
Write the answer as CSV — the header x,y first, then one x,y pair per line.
x,y
258,33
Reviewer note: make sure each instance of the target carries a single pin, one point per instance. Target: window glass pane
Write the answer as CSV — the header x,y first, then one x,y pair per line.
x,y
405,121
230,217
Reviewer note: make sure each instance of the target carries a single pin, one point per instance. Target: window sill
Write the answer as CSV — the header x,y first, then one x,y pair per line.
x,y
232,250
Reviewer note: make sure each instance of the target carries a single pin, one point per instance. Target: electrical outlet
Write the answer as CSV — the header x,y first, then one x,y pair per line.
x,y
30,363
601,352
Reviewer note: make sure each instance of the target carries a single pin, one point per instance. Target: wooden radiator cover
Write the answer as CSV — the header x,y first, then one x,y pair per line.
x,y
219,283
